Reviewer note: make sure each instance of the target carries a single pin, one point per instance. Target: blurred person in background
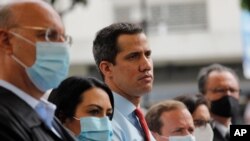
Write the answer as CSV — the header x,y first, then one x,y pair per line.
x,y
170,120
246,111
123,57
220,85
34,57
85,107
198,106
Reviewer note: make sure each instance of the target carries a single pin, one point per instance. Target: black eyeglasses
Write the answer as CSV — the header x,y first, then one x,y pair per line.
x,y
51,35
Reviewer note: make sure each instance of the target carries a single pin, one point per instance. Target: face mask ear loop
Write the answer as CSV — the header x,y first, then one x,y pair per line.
x,y
28,41
76,118
19,62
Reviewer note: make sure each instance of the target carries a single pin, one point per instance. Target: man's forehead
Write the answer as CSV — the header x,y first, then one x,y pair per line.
x,y
131,39
42,15
222,75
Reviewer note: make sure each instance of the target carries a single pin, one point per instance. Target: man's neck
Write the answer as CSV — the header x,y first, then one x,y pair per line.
x,y
27,86
133,99
130,97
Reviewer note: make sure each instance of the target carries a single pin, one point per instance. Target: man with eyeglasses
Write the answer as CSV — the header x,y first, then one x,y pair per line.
x,y
34,57
198,106
220,85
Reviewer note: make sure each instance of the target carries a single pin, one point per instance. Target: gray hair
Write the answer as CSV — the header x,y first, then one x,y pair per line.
x,y
205,71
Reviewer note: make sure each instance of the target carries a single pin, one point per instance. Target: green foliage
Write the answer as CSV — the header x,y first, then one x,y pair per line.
x,y
245,4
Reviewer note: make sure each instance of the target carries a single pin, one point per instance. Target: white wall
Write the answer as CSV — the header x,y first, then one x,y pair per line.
x,y
83,23
221,42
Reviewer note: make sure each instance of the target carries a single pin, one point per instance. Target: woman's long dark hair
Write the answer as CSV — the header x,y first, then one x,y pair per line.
x,y
69,94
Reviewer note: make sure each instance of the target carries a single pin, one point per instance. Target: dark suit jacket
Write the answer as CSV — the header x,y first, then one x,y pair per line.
x,y
217,135
20,122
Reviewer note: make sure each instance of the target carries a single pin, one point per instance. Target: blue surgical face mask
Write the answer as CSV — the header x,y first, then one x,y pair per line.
x,y
95,129
51,65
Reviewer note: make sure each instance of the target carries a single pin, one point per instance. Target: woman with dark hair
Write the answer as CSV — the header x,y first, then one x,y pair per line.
x,y
84,106
198,106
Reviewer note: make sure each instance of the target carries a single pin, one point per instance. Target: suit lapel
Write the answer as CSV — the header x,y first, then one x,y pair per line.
x,y
217,135
27,115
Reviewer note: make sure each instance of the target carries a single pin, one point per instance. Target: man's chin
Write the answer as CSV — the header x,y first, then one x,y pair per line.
x,y
146,90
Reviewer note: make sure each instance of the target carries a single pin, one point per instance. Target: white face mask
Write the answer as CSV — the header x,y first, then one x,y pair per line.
x,y
182,138
204,133
174,138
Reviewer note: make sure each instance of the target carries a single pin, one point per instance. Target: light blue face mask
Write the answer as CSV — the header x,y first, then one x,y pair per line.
x,y
51,65
95,129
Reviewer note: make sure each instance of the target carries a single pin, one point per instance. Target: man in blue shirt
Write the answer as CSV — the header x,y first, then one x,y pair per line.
x,y
123,56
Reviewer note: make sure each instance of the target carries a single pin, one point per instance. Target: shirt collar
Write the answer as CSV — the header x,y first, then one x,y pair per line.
x,y
122,104
21,94
49,107
222,128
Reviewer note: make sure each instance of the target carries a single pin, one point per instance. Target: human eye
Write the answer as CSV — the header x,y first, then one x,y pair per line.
x,y
232,90
199,123
94,112
148,54
191,129
219,90
222,90
178,131
52,35
132,56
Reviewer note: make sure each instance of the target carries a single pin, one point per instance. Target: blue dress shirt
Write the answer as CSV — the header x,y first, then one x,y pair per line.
x,y
126,126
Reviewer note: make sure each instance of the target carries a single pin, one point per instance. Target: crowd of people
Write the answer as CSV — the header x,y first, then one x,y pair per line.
x,y
34,58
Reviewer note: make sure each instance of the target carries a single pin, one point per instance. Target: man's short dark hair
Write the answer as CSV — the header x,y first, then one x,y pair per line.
x,y
105,44
192,102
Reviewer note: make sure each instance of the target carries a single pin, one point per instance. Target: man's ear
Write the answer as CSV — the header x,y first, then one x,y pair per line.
x,y
106,68
5,42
